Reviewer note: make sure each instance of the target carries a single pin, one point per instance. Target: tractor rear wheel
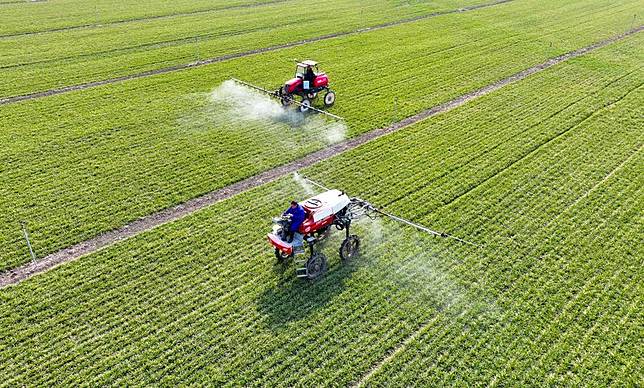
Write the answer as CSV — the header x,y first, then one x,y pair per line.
x,y
350,248
316,266
329,98
281,256
305,105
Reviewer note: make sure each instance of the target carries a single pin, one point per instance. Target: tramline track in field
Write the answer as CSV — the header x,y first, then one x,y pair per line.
x,y
177,212
222,58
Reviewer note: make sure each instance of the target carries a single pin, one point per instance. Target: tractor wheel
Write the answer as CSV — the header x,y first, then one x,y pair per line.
x,y
350,248
305,105
315,266
281,256
286,100
329,98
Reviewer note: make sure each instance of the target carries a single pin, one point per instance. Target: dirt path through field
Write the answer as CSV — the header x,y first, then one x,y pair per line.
x,y
222,58
174,213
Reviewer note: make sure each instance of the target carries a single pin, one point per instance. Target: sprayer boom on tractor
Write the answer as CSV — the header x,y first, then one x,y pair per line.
x,y
307,84
325,211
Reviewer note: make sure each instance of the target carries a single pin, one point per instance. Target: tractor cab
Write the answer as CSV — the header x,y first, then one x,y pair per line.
x,y
309,76
307,70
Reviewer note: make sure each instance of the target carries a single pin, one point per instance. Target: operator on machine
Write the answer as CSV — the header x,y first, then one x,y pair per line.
x,y
298,215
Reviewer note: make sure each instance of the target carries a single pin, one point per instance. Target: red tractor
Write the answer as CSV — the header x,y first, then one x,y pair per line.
x,y
308,83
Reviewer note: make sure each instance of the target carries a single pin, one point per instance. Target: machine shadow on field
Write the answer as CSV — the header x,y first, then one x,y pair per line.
x,y
293,299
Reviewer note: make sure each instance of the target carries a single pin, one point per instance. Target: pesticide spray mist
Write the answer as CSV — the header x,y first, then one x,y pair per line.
x,y
419,266
244,104
306,186
235,103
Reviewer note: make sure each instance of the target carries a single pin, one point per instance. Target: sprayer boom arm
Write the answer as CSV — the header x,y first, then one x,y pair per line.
x,y
276,95
419,227
366,208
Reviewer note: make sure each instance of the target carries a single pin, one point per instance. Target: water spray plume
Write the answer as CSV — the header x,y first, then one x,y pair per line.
x,y
235,103
306,186
244,104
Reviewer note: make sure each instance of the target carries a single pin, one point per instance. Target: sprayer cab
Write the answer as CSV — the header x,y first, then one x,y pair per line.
x,y
308,77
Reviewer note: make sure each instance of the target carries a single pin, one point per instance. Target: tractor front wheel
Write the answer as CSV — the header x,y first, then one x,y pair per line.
x,y
350,248
316,266
329,98
305,105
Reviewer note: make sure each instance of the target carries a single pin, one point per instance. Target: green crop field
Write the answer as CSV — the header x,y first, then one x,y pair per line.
x,y
123,48
541,175
125,132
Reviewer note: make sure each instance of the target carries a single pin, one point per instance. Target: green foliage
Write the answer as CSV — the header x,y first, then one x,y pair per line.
x,y
79,164
44,61
41,16
544,174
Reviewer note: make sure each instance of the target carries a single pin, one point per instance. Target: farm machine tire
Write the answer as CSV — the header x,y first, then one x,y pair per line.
x,y
350,248
329,98
316,266
286,101
305,105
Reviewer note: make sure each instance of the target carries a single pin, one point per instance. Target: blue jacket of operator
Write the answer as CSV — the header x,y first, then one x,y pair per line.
x,y
297,216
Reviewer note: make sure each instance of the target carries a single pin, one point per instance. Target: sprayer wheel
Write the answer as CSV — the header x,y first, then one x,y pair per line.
x,y
329,98
305,105
316,266
350,248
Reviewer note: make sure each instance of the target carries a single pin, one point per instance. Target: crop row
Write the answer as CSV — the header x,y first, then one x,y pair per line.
x,y
42,16
534,121
496,214
567,319
200,300
128,49
78,164
123,50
